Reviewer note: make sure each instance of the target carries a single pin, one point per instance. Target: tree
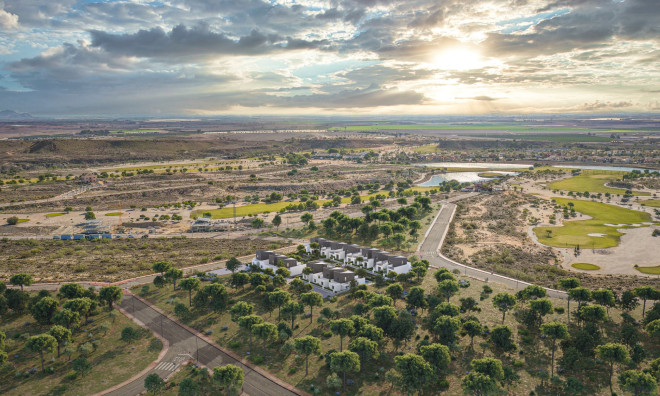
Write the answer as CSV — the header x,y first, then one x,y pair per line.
x,y
341,362
580,294
555,331
257,223
395,290
653,328
291,310
638,383
214,295
443,274
398,238
415,372
613,353
445,328
240,309
307,345
447,288
82,366
233,264
267,332
501,337
384,316
72,290
312,299
240,279
21,280
277,221
283,272
61,335
592,314
504,302
341,327
643,292
188,387
190,284
306,218
40,344
489,366
44,310
437,355
111,294
366,348
247,323
162,267
539,308
479,384
472,328
604,297
153,383
66,318
83,306
279,297
416,298
172,275
568,284
628,301
160,281
229,376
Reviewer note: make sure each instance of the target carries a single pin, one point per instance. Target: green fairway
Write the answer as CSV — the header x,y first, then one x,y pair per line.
x,y
654,203
54,214
592,182
576,232
585,266
649,270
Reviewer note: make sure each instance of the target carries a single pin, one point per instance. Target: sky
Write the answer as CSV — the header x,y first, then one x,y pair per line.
x,y
324,57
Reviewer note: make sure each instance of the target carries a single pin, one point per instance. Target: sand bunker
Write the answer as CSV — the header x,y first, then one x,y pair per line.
x,y
596,234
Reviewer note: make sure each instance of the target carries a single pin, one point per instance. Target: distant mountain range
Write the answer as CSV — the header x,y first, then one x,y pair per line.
x,y
10,115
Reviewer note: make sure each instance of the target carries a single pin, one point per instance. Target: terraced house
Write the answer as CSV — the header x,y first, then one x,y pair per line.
x,y
269,259
326,275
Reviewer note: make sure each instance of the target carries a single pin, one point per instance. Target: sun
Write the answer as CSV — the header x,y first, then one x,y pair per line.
x,y
458,59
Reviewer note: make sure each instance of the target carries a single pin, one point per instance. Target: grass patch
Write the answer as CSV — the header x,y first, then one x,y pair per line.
x,y
590,182
654,203
575,232
585,266
114,214
490,174
649,270
426,149
23,220
54,214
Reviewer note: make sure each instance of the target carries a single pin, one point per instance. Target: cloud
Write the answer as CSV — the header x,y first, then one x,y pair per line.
x,y
479,98
8,21
197,41
600,106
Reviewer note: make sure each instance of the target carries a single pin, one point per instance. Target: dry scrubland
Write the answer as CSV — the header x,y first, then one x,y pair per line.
x,y
114,260
490,232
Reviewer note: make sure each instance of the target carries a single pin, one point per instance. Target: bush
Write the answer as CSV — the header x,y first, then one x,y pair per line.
x,y
327,334
257,359
234,344
559,310
12,220
129,334
71,376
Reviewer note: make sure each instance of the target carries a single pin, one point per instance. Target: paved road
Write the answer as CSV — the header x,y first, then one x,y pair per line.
x,y
430,250
184,345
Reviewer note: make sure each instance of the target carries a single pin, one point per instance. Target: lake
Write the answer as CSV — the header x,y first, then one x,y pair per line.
x,y
461,177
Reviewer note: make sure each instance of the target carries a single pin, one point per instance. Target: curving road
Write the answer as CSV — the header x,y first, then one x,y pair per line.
x,y
432,244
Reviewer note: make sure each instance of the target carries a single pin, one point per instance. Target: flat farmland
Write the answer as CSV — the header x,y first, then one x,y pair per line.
x,y
113,260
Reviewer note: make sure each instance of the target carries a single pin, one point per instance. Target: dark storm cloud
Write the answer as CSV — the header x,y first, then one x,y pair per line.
x,y
197,41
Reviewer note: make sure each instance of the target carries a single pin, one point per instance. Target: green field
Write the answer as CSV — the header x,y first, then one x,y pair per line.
x,y
585,266
654,203
575,232
54,214
592,182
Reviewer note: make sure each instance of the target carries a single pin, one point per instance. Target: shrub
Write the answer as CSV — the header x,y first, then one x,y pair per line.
x,y
559,310
234,344
257,359
128,334
327,334
70,376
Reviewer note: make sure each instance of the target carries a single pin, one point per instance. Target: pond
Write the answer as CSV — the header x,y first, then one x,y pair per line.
x,y
461,177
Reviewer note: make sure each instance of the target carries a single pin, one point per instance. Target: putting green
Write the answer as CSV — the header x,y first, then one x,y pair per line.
x,y
576,232
585,266
649,270
592,183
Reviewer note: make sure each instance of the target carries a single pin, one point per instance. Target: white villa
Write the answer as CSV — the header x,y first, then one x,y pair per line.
x,y
375,260
326,275
268,259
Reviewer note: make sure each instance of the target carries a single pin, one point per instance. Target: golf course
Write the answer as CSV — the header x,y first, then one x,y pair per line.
x,y
600,231
592,182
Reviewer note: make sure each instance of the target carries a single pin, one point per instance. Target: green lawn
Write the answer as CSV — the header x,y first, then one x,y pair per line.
x,y
109,360
654,203
585,266
591,182
54,214
575,232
